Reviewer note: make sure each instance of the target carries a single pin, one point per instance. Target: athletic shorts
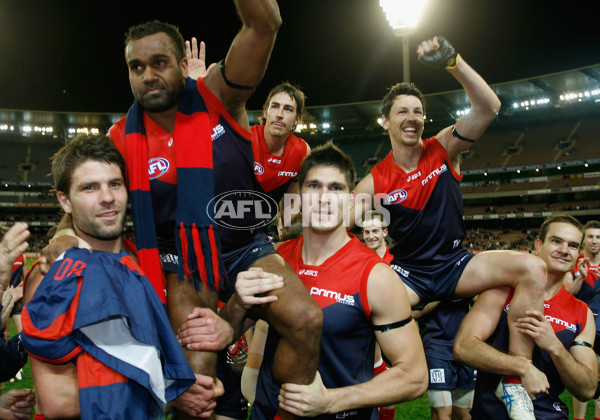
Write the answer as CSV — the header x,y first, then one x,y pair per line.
x,y
239,260
448,374
436,285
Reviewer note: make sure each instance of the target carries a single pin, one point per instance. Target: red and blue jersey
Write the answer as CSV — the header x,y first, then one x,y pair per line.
x,y
16,275
568,317
339,286
276,173
234,180
426,209
97,310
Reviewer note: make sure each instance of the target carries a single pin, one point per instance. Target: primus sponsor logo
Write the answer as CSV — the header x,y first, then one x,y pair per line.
x,y
330,294
395,197
562,323
242,209
258,169
286,173
434,173
157,167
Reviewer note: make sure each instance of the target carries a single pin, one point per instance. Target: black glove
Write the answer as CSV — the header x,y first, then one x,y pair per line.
x,y
443,57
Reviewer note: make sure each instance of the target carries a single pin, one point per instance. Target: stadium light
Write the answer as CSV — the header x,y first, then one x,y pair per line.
x,y
403,16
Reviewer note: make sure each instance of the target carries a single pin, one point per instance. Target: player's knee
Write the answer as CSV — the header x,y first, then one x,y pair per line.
x,y
305,323
535,271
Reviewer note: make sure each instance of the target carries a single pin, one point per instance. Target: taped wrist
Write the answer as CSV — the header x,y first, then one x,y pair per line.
x,y
444,57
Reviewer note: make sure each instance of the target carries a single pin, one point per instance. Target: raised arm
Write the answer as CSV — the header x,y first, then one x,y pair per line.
x,y
470,345
247,58
404,381
576,366
484,102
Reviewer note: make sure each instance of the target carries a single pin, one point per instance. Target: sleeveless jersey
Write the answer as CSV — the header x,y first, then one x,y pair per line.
x,y
593,272
276,173
16,274
439,328
426,209
233,173
387,257
339,286
568,317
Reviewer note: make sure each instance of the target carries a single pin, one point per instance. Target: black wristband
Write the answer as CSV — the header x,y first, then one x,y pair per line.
x,y
230,83
458,136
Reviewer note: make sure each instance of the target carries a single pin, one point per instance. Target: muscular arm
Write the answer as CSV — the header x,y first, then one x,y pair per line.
x,y
576,366
470,345
364,194
248,55
404,381
484,106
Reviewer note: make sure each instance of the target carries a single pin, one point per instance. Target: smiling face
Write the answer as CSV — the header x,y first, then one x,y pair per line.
x,y
560,247
374,234
156,77
326,198
96,201
406,120
591,242
281,115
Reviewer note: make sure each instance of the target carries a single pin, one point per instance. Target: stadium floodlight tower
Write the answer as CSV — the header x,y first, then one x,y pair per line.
x,y
403,16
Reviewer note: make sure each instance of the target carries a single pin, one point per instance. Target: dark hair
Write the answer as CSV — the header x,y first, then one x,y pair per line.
x,y
328,154
149,28
374,214
592,224
293,91
78,150
396,90
558,218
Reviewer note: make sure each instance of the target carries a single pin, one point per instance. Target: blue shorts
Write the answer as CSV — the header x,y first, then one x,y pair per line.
x,y
239,260
436,285
232,403
448,375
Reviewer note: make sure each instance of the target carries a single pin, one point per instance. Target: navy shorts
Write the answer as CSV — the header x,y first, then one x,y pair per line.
x,y
448,375
436,285
232,403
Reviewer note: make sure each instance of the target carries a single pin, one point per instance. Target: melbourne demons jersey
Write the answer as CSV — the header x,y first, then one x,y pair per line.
x,y
439,328
234,181
339,286
276,173
425,206
17,271
387,257
568,316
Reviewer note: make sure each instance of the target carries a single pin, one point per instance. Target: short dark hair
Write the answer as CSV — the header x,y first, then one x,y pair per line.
x,y
155,26
374,214
396,90
328,154
592,224
78,150
558,218
293,91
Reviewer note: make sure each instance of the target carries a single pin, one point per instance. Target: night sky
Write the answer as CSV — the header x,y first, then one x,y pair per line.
x,y
67,55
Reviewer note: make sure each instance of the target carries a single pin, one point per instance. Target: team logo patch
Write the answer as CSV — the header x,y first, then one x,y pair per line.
x,y
157,167
258,169
395,197
437,376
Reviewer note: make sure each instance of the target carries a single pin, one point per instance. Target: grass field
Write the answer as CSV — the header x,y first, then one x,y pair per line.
x,y
413,410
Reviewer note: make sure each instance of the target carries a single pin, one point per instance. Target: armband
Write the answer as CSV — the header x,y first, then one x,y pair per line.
x,y
581,343
229,82
394,325
458,136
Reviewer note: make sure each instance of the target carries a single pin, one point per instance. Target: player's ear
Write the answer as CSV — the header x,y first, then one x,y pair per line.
x,y
65,203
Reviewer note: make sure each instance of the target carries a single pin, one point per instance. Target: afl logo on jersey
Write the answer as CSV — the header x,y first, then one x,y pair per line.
x,y
157,167
395,197
258,169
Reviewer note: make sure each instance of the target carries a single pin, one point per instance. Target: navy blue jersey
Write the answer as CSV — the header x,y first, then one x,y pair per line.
x,y
568,317
426,209
339,286
439,328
